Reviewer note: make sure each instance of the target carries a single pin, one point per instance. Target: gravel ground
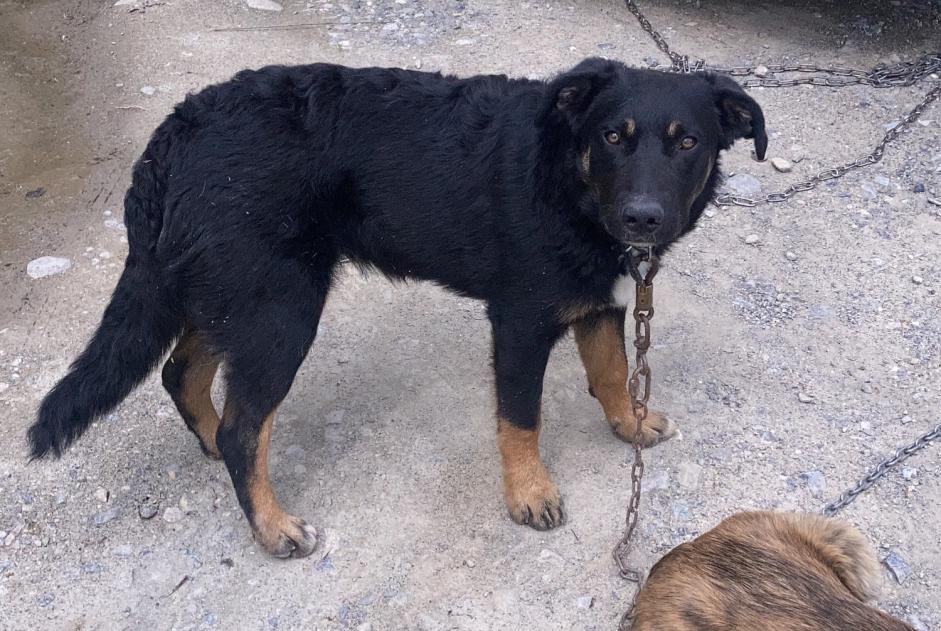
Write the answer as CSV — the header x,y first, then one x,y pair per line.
x,y
796,345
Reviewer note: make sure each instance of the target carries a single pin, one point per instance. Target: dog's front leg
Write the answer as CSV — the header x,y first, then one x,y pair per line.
x,y
600,339
520,352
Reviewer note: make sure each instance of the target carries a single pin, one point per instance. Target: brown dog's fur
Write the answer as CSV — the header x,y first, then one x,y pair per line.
x,y
764,571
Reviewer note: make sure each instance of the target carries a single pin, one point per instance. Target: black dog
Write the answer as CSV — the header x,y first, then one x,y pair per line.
x,y
521,193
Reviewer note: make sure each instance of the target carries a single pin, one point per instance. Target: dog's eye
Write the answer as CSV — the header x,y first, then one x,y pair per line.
x,y
688,143
613,137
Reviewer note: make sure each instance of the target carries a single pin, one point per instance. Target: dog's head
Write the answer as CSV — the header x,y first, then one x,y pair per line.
x,y
646,144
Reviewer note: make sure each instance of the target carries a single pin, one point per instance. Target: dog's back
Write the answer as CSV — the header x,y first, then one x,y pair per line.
x,y
766,571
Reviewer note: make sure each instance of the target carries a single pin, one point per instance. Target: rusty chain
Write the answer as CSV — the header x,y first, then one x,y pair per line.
x,y
903,74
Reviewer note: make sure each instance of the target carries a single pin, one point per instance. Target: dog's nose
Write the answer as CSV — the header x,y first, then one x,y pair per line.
x,y
643,216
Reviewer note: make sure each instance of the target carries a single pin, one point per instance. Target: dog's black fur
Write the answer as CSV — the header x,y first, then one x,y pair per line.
x,y
521,193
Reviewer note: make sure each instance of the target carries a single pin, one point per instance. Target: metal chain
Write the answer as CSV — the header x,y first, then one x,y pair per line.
x,y
638,387
903,74
879,471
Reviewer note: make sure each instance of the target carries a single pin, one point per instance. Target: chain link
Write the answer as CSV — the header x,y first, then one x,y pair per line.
x,y
903,74
880,470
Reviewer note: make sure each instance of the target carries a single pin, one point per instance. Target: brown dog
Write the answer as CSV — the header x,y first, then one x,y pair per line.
x,y
765,571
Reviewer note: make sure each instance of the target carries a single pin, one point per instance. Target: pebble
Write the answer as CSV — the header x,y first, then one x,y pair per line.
x,y
148,508
106,515
709,213
470,562
744,184
899,568
687,475
102,495
585,602
761,70
186,506
264,5
866,388
148,90
172,515
918,280
782,165
815,481
919,188
803,397
47,266
909,472
791,256
751,239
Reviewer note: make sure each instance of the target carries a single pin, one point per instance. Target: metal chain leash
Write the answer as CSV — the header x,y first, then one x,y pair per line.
x,y
903,74
880,470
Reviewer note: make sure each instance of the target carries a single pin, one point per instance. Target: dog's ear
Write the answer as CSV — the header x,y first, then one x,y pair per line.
x,y
739,114
571,93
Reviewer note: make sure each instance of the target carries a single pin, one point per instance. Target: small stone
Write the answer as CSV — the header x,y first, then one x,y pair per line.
x,y
744,184
803,397
687,475
186,506
36,193
919,188
899,568
918,280
585,602
47,266
815,481
106,515
782,165
148,508
751,239
866,388
264,5
909,472
791,256
148,90
709,213
761,70
470,562
172,515
102,495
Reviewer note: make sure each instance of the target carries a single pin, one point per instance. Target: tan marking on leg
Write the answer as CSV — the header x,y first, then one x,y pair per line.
x,y
278,532
194,395
601,347
674,129
630,127
531,496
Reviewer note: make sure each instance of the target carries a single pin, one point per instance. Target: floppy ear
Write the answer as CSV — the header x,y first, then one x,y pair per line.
x,y
739,114
571,93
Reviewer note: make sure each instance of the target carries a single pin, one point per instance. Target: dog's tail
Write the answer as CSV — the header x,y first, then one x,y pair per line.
x,y
843,549
138,325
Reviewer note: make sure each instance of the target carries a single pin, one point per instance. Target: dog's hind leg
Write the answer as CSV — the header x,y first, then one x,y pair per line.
x,y
600,340
187,376
264,343
520,354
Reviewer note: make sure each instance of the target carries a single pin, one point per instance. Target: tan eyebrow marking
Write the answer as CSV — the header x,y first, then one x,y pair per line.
x,y
674,128
630,127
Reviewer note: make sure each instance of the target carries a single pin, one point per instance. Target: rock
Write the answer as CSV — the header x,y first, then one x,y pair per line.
x,y
918,280
470,563
791,256
744,184
919,188
172,515
709,213
585,602
106,515
36,193
752,239
47,266
803,397
815,481
782,165
651,62
263,5
148,508
761,70
687,475
186,506
866,388
102,495
897,566
148,90
909,472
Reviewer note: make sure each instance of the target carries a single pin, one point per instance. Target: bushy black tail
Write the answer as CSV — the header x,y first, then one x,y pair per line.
x,y
138,325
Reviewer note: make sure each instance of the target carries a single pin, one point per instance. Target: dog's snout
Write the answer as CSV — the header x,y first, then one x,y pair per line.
x,y
643,216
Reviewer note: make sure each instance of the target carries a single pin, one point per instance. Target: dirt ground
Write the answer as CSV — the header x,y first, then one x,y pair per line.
x,y
796,345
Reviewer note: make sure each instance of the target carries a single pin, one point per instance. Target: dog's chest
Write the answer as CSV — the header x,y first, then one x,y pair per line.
x,y
621,290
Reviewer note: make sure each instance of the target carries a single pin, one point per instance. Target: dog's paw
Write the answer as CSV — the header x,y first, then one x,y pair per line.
x,y
538,505
286,537
656,429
